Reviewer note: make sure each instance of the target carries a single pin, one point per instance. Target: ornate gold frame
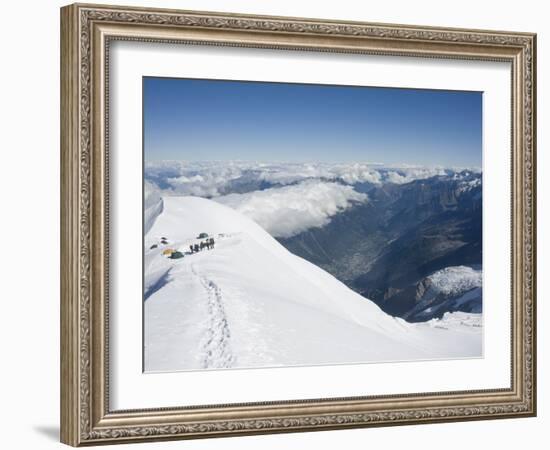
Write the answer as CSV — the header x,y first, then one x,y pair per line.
x,y
86,31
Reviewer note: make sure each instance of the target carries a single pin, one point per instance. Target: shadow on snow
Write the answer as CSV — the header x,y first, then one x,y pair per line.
x,y
157,285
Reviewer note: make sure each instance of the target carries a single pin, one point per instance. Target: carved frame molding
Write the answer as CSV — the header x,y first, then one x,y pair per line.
x,y
86,31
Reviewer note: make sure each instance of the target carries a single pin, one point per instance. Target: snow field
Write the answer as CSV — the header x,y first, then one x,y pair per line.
x,y
250,303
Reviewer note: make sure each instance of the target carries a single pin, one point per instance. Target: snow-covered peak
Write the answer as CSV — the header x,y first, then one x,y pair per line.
x,y
455,280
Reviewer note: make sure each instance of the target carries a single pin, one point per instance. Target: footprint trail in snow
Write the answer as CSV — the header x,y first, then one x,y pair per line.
x,y
217,346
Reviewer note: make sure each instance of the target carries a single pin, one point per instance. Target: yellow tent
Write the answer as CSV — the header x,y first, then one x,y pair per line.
x,y
168,251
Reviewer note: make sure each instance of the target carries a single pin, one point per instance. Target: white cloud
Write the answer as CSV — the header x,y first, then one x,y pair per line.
x,y
201,179
408,174
208,184
356,173
290,210
292,172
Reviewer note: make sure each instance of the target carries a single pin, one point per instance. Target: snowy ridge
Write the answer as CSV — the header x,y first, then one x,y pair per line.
x,y
455,280
467,186
248,302
455,288
152,206
456,320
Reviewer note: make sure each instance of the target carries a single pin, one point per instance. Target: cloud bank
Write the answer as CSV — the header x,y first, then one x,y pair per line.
x,y
216,178
289,198
408,174
290,210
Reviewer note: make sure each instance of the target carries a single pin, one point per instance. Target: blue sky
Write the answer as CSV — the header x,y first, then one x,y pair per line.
x,y
188,119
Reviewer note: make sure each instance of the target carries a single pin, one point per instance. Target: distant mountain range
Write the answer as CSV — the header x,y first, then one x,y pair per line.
x,y
387,248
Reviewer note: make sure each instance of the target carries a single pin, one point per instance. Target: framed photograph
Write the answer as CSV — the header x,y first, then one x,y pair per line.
x,y
275,224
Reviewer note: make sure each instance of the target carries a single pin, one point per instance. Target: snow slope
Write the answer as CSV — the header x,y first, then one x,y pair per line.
x,y
251,303
152,206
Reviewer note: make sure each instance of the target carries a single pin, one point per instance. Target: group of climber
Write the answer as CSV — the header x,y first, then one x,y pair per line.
x,y
206,244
